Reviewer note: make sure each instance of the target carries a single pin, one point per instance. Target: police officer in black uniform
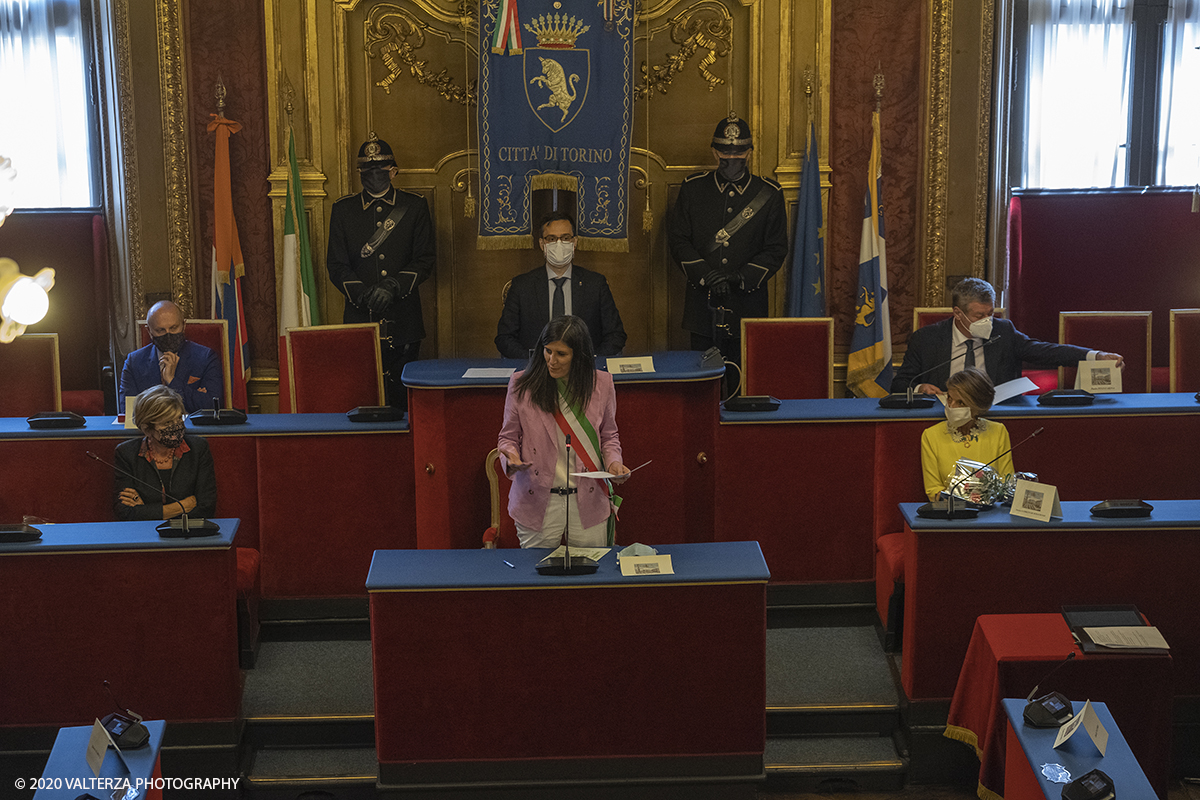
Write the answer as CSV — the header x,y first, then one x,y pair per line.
x,y
728,233
381,247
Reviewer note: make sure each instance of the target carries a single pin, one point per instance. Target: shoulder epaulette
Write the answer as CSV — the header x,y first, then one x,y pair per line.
x,y
771,182
411,194
347,196
695,175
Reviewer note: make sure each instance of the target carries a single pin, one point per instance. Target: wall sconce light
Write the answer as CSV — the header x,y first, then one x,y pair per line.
x,y
23,300
8,177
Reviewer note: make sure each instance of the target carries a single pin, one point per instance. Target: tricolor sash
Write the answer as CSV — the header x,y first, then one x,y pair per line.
x,y
572,422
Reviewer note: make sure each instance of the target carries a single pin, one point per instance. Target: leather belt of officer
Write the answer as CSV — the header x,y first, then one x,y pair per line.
x,y
384,230
725,234
562,490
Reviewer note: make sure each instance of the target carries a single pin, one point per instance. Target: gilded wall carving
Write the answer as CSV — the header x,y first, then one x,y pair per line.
x,y
704,27
937,156
175,152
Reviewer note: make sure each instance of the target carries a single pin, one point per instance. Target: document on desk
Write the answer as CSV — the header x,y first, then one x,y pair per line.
x,y
489,372
635,566
1013,388
1090,722
594,553
1139,636
601,474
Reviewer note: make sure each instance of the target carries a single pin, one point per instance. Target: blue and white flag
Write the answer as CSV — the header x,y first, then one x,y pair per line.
x,y
555,112
869,371
806,290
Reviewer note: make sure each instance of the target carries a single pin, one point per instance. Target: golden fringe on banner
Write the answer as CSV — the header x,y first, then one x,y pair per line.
x,y
597,244
553,180
518,242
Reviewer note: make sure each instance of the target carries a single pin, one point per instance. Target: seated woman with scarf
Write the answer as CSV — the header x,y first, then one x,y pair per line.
x,y
560,393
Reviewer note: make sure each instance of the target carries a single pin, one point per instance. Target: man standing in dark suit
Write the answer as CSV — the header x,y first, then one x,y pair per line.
x,y
728,233
560,287
381,247
974,338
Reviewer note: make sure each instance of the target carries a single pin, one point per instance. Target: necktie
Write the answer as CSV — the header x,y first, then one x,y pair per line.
x,y
559,306
970,359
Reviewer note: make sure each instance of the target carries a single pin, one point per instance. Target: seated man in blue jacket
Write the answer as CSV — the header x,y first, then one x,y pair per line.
x,y
558,287
191,369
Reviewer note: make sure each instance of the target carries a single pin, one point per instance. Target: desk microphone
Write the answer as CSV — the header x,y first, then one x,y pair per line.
x,y
944,509
178,528
125,726
1050,710
908,399
565,565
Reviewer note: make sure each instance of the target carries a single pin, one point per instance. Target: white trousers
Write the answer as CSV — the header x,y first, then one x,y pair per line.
x,y
550,536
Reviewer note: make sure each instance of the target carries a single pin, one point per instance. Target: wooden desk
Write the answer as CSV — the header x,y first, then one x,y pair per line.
x,y
668,416
67,774
489,673
1010,654
958,570
1023,779
112,601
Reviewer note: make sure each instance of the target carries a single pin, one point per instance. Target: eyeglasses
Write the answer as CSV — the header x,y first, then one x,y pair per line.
x,y
566,237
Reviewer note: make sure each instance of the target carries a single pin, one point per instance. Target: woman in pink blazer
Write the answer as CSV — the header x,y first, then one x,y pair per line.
x,y
559,394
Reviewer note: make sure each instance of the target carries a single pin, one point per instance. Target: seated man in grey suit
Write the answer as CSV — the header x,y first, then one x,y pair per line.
x,y
557,288
973,338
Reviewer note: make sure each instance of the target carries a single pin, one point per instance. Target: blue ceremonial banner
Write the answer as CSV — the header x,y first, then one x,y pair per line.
x,y
555,103
869,368
806,292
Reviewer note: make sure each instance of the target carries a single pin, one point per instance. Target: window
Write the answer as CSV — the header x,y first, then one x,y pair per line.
x,y
47,127
1107,93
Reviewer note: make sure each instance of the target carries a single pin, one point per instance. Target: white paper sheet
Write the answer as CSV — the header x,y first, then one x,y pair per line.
x,y
489,372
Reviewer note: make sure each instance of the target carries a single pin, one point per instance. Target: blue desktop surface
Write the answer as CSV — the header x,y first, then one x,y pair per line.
x,y
433,570
1079,754
447,373
67,774
123,536
1076,514
1021,407
255,425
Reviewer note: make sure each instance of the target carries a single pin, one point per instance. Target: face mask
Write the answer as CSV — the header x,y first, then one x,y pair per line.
x,y
168,342
171,437
958,417
982,328
559,254
731,169
376,181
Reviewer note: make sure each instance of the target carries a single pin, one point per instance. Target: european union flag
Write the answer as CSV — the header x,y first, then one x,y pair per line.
x,y
806,291
869,371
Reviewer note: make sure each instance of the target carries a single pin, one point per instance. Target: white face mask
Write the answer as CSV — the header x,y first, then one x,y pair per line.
x,y
982,328
958,416
558,254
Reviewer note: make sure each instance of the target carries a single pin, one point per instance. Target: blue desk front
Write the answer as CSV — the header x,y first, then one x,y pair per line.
x,y
668,416
1023,779
958,570
67,774
112,601
474,662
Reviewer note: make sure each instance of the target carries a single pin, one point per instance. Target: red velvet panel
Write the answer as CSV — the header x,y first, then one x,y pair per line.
x,y
335,369
491,690
789,359
236,462
54,480
1122,334
28,376
1186,366
159,626
326,503
951,578
929,317
898,477
1010,652
248,561
285,386
1105,251
803,492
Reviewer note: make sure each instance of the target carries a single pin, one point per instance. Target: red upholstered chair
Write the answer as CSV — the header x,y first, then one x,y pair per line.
x,y
788,357
334,368
1124,332
1185,350
29,377
927,315
503,531
213,334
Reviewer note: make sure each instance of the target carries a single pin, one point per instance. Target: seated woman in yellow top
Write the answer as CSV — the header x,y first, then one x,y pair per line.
x,y
964,434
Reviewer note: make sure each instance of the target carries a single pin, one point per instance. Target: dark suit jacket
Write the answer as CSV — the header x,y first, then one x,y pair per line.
x,y
929,347
198,378
194,475
527,310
